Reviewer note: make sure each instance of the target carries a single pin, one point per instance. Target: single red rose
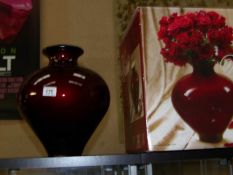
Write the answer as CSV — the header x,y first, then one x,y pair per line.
x,y
167,41
191,15
175,48
221,37
162,33
164,21
190,39
179,24
206,52
173,52
225,51
203,21
216,20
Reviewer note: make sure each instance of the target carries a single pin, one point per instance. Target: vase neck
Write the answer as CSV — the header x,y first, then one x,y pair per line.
x,y
62,55
203,68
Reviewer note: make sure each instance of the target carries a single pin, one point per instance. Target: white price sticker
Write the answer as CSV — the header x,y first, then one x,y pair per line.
x,y
49,91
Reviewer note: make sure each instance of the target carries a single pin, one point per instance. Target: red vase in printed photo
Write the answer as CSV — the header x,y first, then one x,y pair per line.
x,y
63,102
204,101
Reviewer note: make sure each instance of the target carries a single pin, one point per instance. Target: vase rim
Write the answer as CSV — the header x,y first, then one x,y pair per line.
x,y
50,50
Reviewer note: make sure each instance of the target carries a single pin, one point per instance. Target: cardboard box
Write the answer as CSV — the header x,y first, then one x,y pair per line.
x,y
151,123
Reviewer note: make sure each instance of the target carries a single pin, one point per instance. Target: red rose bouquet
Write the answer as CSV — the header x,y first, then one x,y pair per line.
x,y
194,37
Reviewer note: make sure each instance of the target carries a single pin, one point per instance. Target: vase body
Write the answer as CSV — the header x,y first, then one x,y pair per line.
x,y
63,102
204,100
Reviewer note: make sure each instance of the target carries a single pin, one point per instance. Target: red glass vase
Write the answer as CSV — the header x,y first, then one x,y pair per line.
x,y
204,100
63,102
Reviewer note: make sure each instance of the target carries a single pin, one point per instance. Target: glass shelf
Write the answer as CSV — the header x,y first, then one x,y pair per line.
x,y
204,162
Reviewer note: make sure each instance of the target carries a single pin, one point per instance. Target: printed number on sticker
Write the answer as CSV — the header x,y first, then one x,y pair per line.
x,y
49,91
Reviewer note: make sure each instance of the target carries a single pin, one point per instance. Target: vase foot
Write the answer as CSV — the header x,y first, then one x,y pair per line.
x,y
211,139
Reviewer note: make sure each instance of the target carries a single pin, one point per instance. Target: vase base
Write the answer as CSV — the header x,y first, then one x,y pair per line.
x,y
210,139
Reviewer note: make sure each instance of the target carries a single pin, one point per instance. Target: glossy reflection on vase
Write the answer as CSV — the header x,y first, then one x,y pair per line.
x,y
63,102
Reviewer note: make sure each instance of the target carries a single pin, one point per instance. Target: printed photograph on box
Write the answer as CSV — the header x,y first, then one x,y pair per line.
x,y
19,50
185,70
